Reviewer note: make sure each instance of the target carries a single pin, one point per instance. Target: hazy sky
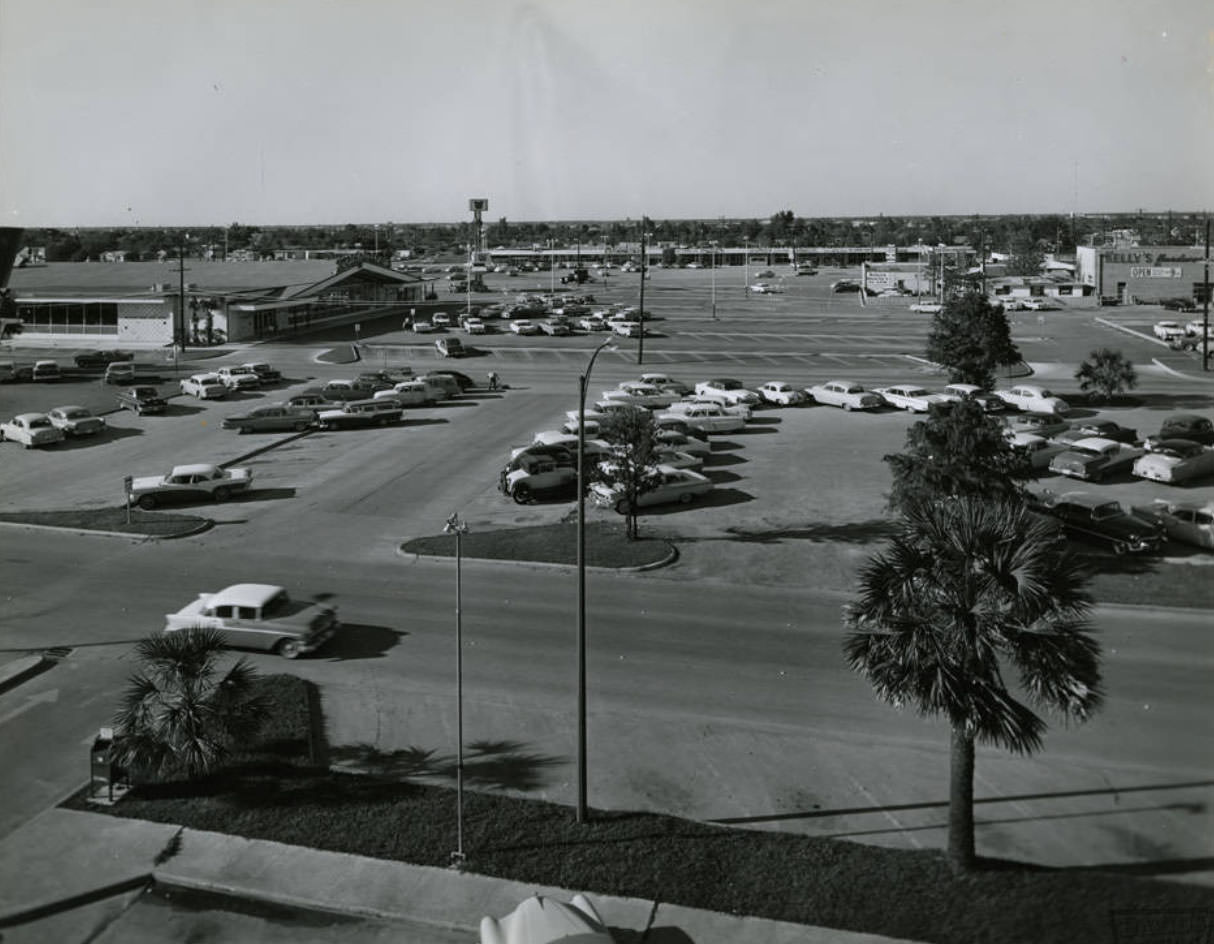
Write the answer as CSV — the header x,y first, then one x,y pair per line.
x,y
196,112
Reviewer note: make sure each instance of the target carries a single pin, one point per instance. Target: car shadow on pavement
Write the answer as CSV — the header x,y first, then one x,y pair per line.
x,y
501,765
425,421
109,434
717,459
721,476
183,409
264,494
361,641
717,498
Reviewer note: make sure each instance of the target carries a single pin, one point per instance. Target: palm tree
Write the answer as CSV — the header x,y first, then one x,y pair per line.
x,y
967,589
180,714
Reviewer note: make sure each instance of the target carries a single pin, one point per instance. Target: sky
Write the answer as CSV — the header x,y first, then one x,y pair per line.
x,y
209,112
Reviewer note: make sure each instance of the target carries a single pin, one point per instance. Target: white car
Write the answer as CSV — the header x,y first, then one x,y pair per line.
x,y
706,417
1040,304
239,378
767,288
474,326
733,409
594,323
539,920
559,437
845,395
779,393
441,319
909,397
259,616
205,387
1168,330
524,327
629,329
927,308
1173,461
639,394
677,459
31,429
423,327
408,393
195,482
674,485
1030,398
1009,303
673,439
1040,450
76,421
1095,458
1188,522
727,389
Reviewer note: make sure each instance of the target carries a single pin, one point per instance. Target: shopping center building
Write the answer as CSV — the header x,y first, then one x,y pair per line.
x,y
1142,274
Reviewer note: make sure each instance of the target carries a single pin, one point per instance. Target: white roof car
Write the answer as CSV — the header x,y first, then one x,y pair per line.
x,y
1032,398
909,397
539,920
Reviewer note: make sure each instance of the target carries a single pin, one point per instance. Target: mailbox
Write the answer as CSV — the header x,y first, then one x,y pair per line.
x,y
103,769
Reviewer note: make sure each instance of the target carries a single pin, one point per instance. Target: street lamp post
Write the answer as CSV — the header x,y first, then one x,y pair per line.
x,y
641,314
714,280
746,265
583,380
457,527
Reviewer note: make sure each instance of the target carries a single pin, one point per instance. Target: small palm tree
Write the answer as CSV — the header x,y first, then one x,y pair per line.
x,y
1107,373
967,589
181,715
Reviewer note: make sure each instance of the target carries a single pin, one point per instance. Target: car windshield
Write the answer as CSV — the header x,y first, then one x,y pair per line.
x,y
77,414
1107,510
39,422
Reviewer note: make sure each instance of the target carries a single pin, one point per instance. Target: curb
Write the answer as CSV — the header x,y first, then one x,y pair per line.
x,y
671,556
205,525
15,672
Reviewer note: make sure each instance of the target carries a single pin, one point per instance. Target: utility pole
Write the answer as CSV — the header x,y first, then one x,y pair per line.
x,y
1205,306
641,315
181,291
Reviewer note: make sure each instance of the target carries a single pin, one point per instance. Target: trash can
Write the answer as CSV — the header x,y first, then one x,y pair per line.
x,y
103,769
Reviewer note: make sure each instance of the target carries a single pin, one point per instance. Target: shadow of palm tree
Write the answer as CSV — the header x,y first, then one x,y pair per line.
x,y
496,765
852,532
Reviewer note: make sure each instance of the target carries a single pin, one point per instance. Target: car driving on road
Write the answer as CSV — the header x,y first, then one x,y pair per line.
x,y
204,387
188,483
277,417
76,421
259,616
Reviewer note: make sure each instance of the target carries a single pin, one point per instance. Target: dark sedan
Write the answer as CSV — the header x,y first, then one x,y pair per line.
x,y
102,358
1096,520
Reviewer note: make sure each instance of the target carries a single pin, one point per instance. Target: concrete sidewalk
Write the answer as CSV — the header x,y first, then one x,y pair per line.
x,y
96,864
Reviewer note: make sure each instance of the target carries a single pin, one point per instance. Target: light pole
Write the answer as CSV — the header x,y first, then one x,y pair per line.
x,y
714,279
551,269
583,380
746,264
457,527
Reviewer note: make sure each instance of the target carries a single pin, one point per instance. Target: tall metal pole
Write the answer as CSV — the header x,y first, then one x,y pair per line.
x,y
181,291
1205,306
714,281
583,381
457,527
641,316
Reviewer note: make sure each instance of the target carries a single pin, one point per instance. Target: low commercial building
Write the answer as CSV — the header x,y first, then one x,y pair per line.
x,y
216,310
1142,274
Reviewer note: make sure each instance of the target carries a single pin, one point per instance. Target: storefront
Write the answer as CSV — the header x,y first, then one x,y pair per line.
x,y
1142,274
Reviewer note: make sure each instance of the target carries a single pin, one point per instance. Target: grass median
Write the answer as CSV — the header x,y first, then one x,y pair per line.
x,y
274,793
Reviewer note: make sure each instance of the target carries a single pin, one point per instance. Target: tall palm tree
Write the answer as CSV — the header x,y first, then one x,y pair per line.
x,y
967,589
181,714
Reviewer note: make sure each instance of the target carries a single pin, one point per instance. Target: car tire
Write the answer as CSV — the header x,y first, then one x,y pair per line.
x,y
847,407
621,506
1120,548
289,649
522,494
300,426
146,502
686,498
222,494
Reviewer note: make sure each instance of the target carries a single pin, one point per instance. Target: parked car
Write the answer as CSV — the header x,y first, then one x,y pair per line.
x,y
355,414
538,477
673,485
594,323
1186,522
710,418
259,616
267,373
76,421
677,459
1179,304
240,377
376,380
340,391
31,429
1031,398
1040,424
409,393
450,386
1085,517
312,398
963,391
1094,459
630,329
727,389
556,328
1104,429
475,326
450,347
779,393
909,397
47,372
688,442
1167,330
640,394
441,319
927,308
733,409
277,417
142,399
666,382
1189,426
846,395
189,483
1041,304
1039,449
204,387
423,326
128,373
92,359
1173,461
524,327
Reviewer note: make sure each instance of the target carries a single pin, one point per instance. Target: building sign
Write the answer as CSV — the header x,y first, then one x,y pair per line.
x,y
1155,272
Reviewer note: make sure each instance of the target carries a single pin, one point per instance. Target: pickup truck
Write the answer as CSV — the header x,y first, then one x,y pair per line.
x,y
142,399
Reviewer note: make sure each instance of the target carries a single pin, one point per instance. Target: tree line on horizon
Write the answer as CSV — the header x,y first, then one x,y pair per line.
x,y
1017,234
